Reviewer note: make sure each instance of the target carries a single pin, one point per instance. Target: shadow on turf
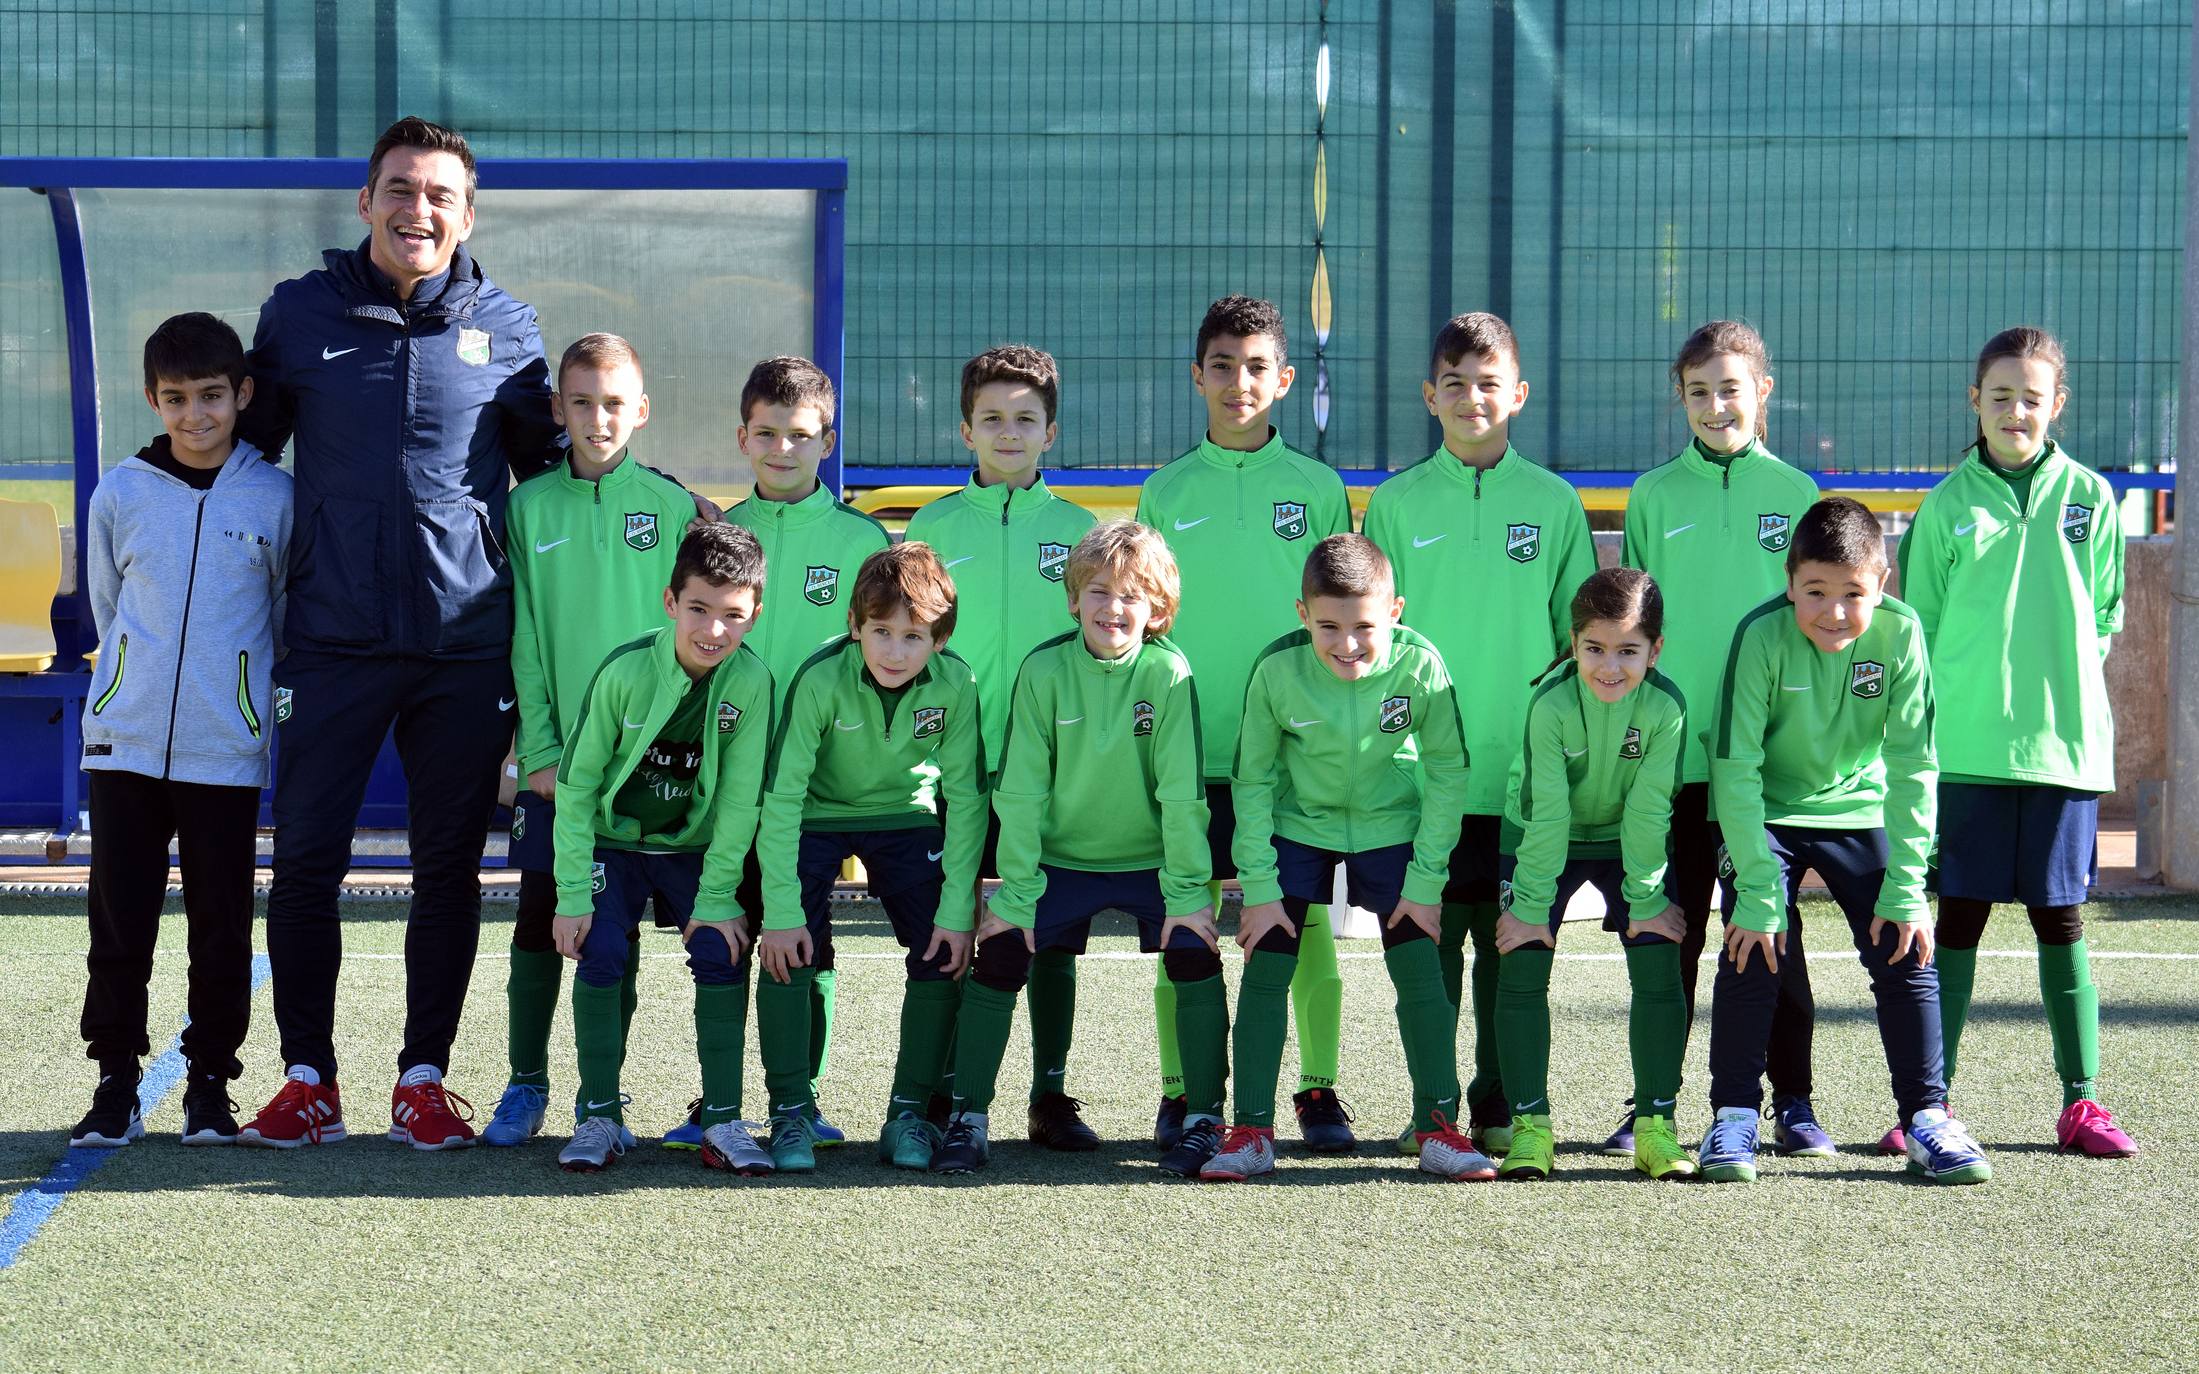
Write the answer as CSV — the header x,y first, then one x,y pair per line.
x,y
2122,1013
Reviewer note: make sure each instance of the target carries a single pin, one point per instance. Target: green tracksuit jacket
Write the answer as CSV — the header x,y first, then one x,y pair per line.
x,y
1008,553
848,757
1487,562
1240,525
1349,766
813,548
1715,537
1824,741
590,562
1593,781
632,695
1101,773
2019,603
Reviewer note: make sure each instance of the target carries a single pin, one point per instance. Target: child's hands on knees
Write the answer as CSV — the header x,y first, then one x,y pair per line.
x,y
783,951
543,782
570,933
1916,935
957,945
1512,933
1199,923
734,933
1741,943
989,925
1427,915
1260,918
1671,923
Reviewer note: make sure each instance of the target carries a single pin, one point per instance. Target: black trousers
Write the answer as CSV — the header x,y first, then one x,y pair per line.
x,y
133,818
453,722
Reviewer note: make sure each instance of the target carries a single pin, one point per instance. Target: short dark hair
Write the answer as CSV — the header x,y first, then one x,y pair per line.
x,y
599,351
905,576
1624,596
1477,333
1841,531
788,380
1346,565
188,347
723,555
415,132
1034,367
1242,317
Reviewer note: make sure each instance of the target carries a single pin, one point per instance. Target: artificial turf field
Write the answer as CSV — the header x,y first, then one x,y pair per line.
x,y
367,1253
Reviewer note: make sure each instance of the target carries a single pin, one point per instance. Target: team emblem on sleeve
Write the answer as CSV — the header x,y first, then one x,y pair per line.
x,y
1522,542
1141,719
1867,679
930,720
820,585
1053,561
729,716
596,880
1504,895
473,347
1397,714
641,530
282,704
2076,523
1773,532
519,822
1290,519
1632,748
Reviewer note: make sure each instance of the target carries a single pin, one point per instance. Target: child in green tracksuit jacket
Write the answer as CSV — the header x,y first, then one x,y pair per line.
x,y
1006,540
1350,754
877,757
1101,807
591,543
817,542
1821,758
2015,565
1713,526
658,787
1488,549
1589,801
1239,512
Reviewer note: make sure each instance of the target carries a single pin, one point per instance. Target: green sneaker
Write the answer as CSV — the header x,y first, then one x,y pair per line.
x,y
793,1144
1496,1141
1657,1149
908,1141
1532,1151
1408,1141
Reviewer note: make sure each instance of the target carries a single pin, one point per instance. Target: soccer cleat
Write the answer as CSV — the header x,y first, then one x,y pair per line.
x,y
1943,1150
595,1144
1795,1132
824,1132
420,1115
1449,1153
732,1145
1194,1147
1894,1142
1324,1122
2089,1129
1168,1122
965,1148
793,1143
209,1116
518,1115
1657,1150
301,1114
689,1133
626,1140
1056,1125
115,1117
1620,1143
908,1142
1729,1151
1408,1140
1534,1152
1246,1152
1495,1141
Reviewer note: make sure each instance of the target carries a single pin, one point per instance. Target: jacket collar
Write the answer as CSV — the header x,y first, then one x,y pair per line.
x,y
370,294
240,457
814,506
1001,498
1692,457
616,478
1987,467
1107,667
1231,458
1502,470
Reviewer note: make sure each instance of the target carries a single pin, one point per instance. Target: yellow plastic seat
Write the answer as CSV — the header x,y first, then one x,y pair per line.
x,y
30,574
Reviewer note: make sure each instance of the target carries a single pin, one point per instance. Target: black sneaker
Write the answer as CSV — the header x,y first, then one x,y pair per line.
x,y
1195,1146
965,1149
1324,1122
1056,1125
115,1118
209,1116
1168,1122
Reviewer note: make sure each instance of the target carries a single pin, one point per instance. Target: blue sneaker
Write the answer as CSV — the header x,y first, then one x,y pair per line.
x,y
1943,1150
626,1140
518,1115
793,1145
1621,1141
824,1132
1729,1151
1795,1132
688,1134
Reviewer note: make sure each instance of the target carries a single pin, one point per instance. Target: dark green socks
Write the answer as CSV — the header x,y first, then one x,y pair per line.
x,y
721,1031
1656,1026
1523,1028
2072,1017
927,1035
1263,1017
1426,1022
1052,992
596,1033
782,1031
1202,1018
981,1038
530,996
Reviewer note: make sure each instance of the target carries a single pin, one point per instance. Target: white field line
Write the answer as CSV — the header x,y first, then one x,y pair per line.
x,y
1230,951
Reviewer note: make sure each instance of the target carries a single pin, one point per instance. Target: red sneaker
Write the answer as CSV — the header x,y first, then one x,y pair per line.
x,y
420,1116
2089,1129
301,1114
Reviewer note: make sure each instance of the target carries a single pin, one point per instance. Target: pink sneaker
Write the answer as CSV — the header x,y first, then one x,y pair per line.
x,y
1894,1142
2090,1130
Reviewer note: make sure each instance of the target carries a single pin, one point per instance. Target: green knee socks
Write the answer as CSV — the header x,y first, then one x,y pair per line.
x,y
629,997
1958,973
596,1035
1523,1028
2072,1017
1317,1001
1656,1026
530,995
721,1033
1202,1018
928,1009
1450,950
1425,1022
980,1039
782,1032
1263,1003
1488,1079
1053,996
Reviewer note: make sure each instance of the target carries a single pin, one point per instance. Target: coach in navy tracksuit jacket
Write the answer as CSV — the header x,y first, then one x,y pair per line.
x,y
410,390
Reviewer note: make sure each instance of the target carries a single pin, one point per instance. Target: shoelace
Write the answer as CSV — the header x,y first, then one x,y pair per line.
x,y
1242,1138
436,1097
1728,1137
1446,1133
599,1133
694,1112
2086,1112
1325,1101
520,1099
297,1096
960,1132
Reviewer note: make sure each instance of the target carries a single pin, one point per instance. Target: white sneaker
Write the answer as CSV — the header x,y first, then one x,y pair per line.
x,y
1247,1152
1448,1154
595,1143
732,1145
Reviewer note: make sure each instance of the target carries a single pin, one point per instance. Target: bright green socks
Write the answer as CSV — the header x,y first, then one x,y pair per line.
x,y
721,1031
596,1034
530,994
1263,1016
1958,974
1522,1016
1488,1076
1052,991
1426,1023
782,1032
1451,950
980,1039
1202,1018
823,996
1656,1025
1317,1000
2072,1017
928,1008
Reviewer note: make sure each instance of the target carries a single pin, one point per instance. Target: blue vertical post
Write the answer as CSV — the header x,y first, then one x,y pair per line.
x,y
72,610
828,322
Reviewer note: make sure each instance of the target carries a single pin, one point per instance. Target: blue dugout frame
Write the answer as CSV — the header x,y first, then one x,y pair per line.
x,y
954,475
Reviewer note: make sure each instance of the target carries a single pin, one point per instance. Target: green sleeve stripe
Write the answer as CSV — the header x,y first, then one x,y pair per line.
x,y
1670,688
867,518
1777,602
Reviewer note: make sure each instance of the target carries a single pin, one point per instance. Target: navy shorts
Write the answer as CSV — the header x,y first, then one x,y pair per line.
x,y
1607,876
625,882
1374,879
1073,896
1221,829
534,842
1852,863
1476,864
2032,844
905,877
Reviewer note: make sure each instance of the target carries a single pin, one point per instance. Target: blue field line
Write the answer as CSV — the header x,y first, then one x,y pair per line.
x,y
35,1205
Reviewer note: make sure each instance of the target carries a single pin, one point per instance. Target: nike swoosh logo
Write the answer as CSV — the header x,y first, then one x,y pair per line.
x,y
504,703
1661,1101
785,1107
839,724
330,355
1071,721
1576,753
613,1102
1053,1073
634,724
545,548
1420,543
934,855
960,561
1297,724
1682,530
1790,687
1961,530
1182,525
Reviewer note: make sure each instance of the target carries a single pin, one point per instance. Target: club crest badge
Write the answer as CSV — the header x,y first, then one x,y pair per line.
x,y
1290,519
1522,542
1141,719
282,704
1397,714
519,822
641,530
1632,748
930,720
820,585
1773,532
1867,679
473,347
596,880
1504,896
1053,561
729,716
2076,523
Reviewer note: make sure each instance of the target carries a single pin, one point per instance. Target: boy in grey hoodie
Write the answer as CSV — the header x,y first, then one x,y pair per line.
x,y
185,559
